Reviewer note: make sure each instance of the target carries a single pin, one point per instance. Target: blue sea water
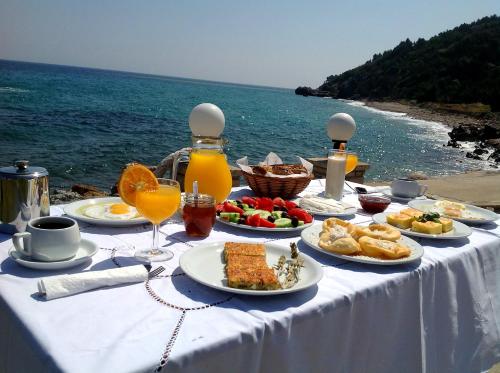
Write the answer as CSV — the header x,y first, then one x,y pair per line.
x,y
83,124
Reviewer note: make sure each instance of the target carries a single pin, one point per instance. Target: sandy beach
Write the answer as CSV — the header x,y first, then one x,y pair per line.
x,y
424,113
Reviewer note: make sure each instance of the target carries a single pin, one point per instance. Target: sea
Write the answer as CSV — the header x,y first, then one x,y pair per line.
x,y
83,125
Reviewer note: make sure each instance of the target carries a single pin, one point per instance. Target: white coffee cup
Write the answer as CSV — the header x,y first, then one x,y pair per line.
x,y
48,239
407,188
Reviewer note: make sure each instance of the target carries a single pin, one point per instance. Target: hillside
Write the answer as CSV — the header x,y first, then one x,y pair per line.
x,y
457,66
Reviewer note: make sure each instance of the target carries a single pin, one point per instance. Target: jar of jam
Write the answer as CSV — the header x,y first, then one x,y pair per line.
x,y
198,214
373,204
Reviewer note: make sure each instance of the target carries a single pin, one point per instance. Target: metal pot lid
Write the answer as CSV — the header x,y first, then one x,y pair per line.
x,y
22,170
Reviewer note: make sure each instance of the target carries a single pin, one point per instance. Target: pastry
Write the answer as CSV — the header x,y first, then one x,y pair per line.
x,y
400,220
446,223
383,249
343,245
411,212
246,267
380,232
339,223
235,248
255,279
428,227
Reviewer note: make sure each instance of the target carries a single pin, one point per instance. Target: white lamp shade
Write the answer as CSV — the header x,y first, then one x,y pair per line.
x,y
207,120
340,127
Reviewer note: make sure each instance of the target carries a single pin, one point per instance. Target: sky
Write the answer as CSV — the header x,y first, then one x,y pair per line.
x,y
274,43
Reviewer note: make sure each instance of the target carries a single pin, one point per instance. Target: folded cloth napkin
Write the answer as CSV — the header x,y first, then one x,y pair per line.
x,y
61,286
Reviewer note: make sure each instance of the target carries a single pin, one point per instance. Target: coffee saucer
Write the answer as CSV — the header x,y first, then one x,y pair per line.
x,y
388,193
85,251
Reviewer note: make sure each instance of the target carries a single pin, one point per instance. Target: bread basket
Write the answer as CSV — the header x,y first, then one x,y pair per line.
x,y
284,187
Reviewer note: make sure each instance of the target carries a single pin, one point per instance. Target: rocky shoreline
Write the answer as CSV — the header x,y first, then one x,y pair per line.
x,y
483,128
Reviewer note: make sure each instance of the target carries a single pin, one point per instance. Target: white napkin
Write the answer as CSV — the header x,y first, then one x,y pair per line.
x,y
61,286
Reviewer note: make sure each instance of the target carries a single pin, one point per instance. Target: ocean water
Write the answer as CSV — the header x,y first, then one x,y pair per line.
x,y
83,125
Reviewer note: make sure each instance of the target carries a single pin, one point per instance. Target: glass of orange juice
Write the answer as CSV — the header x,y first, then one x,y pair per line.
x,y
157,205
351,162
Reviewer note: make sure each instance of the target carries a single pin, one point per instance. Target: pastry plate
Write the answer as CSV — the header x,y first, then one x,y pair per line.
x,y
310,236
264,229
86,250
483,216
459,230
205,264
74,209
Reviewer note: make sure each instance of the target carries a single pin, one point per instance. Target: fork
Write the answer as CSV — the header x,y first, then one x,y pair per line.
x,y
156,272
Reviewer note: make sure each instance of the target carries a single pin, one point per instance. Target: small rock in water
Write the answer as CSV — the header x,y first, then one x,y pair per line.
x,y
480,151
418,176
88,191
58,196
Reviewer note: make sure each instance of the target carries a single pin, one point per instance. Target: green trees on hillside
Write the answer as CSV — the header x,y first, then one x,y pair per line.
x,y
457,66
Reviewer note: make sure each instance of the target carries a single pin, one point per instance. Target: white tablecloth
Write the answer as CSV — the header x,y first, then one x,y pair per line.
x,y
441,314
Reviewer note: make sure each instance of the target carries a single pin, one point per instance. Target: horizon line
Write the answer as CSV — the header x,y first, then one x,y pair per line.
x,y
148,74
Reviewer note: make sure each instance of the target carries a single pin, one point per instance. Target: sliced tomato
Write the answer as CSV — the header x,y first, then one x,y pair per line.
x,y
229,207
254,220
290,205
249,200
265,203
266,223
219,207
278,201
301,215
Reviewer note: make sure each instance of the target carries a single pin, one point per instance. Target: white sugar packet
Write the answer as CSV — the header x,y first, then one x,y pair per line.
x,y
64,285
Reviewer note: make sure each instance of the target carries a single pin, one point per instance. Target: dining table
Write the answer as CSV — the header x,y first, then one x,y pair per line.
x,y
440,313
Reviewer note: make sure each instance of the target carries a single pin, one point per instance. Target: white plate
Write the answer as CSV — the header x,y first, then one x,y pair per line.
x,y
484,216
310,236
388,193
72,210
205,264
349,210
264,229
85,251
459,230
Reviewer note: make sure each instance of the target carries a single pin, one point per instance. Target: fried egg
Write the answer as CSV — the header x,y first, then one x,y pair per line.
x,y
113,211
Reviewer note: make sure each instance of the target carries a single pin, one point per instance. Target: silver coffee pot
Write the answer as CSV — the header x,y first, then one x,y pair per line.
x,y
24,195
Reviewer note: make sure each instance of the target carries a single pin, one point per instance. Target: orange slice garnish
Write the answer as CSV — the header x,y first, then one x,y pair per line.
x,y
134,178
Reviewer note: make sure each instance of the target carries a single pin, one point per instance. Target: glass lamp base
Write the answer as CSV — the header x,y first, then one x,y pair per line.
x,y
160,255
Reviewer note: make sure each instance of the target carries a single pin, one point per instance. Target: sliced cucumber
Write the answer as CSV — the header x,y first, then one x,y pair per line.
x,y
283,223
249,212
276,214
262,213
232,217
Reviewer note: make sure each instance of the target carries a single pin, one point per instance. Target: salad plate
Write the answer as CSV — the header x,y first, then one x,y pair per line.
x,y
310,236
459,230
107,211
469,214
205,264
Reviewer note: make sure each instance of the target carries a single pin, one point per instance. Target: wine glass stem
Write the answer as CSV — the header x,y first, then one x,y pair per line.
x,y
156,233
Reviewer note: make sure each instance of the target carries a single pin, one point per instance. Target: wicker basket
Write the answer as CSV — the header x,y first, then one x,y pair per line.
x,y
284,187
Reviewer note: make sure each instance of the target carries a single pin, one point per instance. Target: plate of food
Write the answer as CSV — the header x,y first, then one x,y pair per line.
x,y
464,213
373,244
251,268
412,222
109,211
263,214
319,205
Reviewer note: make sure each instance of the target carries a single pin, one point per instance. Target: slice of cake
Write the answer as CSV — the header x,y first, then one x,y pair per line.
x,y
400,220
246,261
249,249
428,227
254,279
